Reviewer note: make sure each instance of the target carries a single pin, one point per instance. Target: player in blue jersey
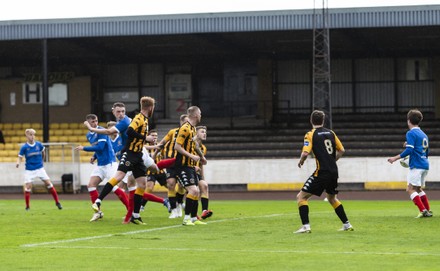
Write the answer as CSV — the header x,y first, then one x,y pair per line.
x,y
33,152
417,148
120,128
122,123
116,140
103,152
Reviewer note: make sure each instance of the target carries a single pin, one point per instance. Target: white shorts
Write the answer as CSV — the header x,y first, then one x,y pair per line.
x,y
148,161
104,172
416,177
127,175
40,173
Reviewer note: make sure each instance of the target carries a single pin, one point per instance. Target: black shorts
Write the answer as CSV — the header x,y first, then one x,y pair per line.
x,y
160,178
187,176
325,180
171,173
132,161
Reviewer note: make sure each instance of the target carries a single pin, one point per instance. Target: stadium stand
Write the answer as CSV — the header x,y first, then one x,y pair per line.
x,y
366,135
363,135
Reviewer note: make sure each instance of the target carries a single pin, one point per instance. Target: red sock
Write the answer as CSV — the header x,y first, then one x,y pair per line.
x,y
425,201
417,201
93,195
166,163
152,197
53,191
27,198
130,206
122,196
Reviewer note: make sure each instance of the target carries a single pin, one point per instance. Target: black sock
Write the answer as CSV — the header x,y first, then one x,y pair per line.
x,y
172,202
195,208
188,206
341,213
137,203
105,191
205,203
179,198
304,214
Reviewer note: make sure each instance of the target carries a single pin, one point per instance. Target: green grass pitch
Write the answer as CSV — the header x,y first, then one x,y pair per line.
x,y
241,235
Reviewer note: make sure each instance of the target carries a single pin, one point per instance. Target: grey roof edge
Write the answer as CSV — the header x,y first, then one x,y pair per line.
x,y
275,20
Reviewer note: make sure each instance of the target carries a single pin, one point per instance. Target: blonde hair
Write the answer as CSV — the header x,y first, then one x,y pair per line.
x,y
30,131
192,110
111,124
146,102
183,116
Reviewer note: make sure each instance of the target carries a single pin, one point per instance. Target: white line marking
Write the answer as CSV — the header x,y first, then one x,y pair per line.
x,y
136,232
53,244
416,254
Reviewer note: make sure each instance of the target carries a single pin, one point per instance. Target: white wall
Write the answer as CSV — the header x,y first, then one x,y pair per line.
x,y
351,170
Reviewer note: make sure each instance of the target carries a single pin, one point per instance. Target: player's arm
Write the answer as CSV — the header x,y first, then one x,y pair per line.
x,y
202,172
151,147
339,148
19,159
43,153
409,147
307,148
339,154
97,147
200,153
182,151
108,131
302,158
180,139
162,143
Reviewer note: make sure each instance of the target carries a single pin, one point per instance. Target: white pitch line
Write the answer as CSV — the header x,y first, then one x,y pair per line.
x,y
136,232
415,254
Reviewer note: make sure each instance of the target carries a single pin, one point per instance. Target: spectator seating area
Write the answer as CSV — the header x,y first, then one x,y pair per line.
x,y
71,133
363,135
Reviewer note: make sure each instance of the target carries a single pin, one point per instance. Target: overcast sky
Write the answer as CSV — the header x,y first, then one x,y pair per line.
x,y
49,9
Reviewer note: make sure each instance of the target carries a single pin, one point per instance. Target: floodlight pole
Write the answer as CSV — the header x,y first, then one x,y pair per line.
x,y
321,96
45,93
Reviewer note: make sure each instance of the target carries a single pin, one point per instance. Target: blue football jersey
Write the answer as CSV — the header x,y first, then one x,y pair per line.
x,y
117,146
417,147
101,145
122,127
33,155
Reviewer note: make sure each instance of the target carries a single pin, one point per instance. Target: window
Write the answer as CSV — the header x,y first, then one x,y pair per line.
x,y
33,93
417,69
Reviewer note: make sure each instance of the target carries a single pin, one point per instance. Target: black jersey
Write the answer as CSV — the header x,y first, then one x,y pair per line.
x,y
323,143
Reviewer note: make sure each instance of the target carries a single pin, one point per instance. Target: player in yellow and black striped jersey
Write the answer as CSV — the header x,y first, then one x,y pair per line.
x,y
327,149
168,151
185,139
203,184
185,164
131,159
168,147
153,177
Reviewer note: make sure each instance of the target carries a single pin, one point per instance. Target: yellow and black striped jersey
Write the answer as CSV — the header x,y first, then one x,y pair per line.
x,y
140,126
185,139
323,143
170,138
